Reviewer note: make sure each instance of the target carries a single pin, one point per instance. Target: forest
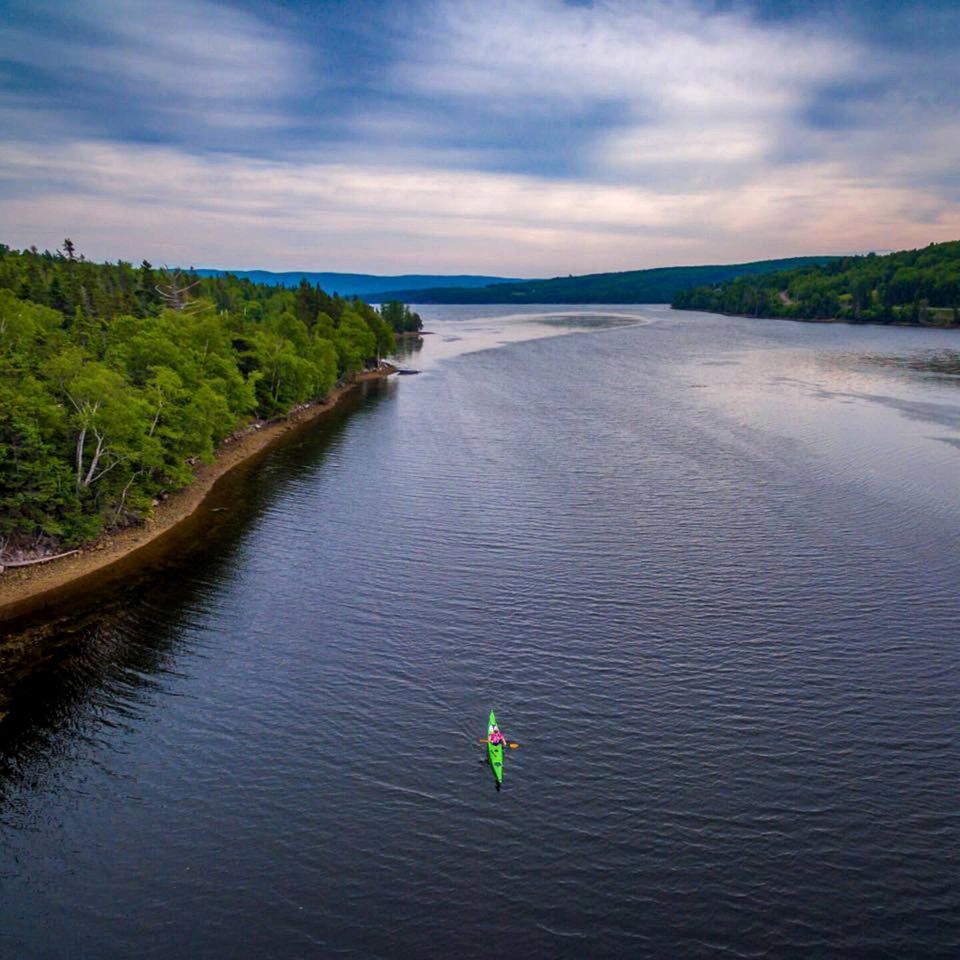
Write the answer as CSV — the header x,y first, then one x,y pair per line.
x,y
116,380
655,285
913,287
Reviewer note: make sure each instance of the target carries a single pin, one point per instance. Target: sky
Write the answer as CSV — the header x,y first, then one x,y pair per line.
x,y
520,138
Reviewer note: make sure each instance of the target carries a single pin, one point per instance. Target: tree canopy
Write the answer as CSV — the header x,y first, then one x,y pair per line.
x,y
656,285
115,379
919,287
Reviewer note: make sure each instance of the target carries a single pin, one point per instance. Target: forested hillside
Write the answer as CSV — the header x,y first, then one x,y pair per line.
x,y
658,285
919,287
366,285
115,379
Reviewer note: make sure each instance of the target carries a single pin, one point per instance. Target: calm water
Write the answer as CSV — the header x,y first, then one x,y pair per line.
x,y
705,569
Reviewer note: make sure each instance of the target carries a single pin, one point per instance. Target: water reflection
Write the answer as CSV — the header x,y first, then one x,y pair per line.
x,y
939,364
584,320
110,645
408,348
79,678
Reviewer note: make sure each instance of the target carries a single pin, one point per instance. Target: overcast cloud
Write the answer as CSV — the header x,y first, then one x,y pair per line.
x,y
532,137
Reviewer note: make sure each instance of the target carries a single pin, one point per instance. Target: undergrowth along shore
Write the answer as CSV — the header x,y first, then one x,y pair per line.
x,y
114,555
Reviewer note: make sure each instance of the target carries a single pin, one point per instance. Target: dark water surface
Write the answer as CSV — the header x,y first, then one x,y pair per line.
x,y
705,569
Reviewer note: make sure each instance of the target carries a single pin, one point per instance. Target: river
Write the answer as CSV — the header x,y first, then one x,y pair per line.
x,y
705,569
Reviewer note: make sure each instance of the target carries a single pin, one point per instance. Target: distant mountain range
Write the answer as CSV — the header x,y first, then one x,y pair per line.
x,y
658,285
364,285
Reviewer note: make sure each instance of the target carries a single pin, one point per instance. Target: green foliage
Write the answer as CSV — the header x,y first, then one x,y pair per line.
x,y
919,287
27,329
355,341
400,318
38,496
658,285
108,396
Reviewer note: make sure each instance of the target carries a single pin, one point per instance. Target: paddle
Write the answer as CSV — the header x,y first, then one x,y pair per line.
x,y
513,746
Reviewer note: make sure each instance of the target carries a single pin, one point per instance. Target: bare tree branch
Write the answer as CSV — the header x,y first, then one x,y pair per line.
x,y
174,291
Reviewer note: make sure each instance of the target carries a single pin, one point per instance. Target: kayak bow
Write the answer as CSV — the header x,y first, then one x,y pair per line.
x,y
495,750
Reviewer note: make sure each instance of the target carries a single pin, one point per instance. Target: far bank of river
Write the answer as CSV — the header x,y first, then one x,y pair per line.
x,y
25,589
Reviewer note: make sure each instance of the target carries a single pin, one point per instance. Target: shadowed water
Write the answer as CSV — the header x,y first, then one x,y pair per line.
x,y
705,569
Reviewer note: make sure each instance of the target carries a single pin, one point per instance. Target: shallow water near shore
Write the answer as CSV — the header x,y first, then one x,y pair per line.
x,y
704,568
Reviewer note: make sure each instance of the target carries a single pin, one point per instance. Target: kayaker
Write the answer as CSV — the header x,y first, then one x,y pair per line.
x,y
496,736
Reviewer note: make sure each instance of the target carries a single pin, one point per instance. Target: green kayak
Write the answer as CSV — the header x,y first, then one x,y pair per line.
x,y
495,750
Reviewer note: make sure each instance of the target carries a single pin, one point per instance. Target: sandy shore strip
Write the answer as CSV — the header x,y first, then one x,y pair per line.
x,y
26,589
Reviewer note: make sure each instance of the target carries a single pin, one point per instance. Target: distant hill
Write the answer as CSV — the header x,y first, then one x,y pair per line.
x,y
363,285
658,285
920,287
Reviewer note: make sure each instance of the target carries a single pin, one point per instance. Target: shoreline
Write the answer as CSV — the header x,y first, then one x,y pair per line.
x,y
850,323
24,589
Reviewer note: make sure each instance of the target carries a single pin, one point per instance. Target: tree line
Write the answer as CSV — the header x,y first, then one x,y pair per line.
x,y
115,380
920,287
655,285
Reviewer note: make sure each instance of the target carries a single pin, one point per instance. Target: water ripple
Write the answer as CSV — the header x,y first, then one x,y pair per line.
x,y
720,623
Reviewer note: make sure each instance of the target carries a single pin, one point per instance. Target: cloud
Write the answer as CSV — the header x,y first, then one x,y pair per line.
x,y
530,137
683,95
547,50
148,69
679,77
170,206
